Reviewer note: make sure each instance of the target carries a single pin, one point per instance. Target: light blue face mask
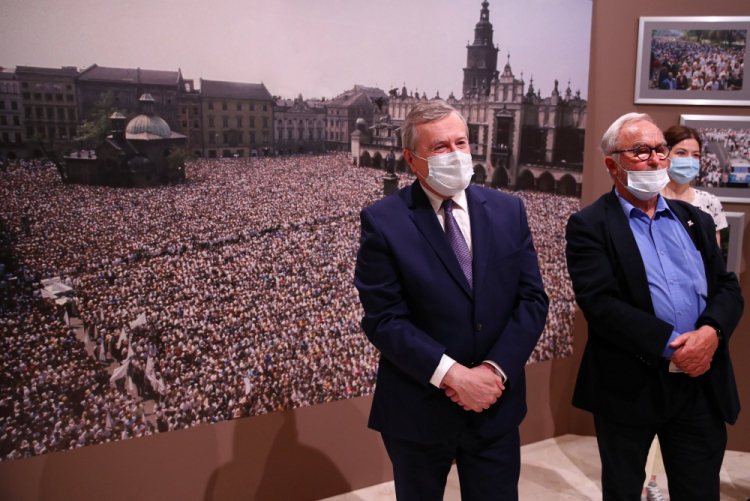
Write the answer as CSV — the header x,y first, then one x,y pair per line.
x,y
684,169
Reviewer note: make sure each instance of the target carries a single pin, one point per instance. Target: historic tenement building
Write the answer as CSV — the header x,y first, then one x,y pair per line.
x,y
237,119
12,135
127,85
299,126
518,138
50,107
189,117
343,111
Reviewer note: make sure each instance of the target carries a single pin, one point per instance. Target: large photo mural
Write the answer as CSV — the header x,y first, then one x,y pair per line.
x,y
177,247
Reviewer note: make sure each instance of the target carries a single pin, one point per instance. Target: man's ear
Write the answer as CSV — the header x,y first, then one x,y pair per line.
x,y
409,157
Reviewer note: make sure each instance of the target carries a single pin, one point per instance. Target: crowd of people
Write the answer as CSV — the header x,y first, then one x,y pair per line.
x,y
735,143
678,64
243,274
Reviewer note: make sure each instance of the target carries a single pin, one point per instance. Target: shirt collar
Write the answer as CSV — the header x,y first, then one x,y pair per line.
x,y
459,200
627,207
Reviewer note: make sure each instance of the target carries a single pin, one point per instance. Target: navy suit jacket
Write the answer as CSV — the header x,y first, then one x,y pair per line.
x,y
622,372
418,306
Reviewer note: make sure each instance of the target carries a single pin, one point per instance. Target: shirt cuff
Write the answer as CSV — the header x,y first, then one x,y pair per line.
x,y
446,363
498,370
669,351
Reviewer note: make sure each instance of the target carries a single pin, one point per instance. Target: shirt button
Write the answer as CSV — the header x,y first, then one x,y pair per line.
x,y
479,327
662,253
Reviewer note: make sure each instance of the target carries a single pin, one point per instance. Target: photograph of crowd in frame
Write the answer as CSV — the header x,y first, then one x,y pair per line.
x,y
725,159
692,60
209,277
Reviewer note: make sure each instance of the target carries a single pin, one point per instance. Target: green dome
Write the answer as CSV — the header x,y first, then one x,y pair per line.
x,y
150,124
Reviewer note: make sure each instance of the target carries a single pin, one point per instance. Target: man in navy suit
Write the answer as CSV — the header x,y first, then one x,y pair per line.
x,y
449,280
661,307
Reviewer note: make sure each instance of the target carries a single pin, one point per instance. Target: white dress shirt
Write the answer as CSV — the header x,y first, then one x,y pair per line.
x,y
461,215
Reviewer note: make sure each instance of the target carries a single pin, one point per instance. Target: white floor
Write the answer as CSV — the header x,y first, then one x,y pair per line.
x,y
568,468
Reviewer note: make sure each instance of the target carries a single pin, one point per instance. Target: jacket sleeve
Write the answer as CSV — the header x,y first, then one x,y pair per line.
x,y
387,319
529,315
608,310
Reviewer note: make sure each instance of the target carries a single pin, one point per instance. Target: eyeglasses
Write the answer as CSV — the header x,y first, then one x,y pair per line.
x,y
643,153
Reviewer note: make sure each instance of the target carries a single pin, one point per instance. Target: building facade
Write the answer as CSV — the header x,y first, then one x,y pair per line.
x,y
127,85
12,134
299,126
237,119
50,106
519,139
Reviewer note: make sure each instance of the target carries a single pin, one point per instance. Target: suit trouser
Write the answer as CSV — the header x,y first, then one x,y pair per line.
x,y
487,470
693,437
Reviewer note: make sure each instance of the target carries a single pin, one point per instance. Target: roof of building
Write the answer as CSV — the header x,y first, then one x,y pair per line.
x,y
234,90
136,75
63,71
8,75
349,99
151,125
371,92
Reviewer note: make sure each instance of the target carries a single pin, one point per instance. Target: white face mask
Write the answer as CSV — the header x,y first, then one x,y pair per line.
x,y
450,173
645,184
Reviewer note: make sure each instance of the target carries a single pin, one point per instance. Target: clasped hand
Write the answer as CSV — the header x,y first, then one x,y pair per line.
x,y
695,350
473,389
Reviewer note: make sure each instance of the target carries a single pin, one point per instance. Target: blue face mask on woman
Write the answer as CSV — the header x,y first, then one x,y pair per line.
x,y
684,169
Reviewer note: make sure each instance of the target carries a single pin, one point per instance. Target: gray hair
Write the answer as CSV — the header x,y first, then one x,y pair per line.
x,y
425,112
610,138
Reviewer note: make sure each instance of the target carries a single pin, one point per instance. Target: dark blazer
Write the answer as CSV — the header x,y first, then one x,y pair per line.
x,y
622,372
418,305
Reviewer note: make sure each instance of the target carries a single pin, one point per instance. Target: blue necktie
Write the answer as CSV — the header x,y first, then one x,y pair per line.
x,y
456,239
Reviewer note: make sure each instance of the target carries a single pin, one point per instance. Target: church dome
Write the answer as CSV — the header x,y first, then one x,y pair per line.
x,y
150,124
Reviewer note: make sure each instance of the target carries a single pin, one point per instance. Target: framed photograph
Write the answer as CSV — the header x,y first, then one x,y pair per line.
x,y
692,60
731,241
725,158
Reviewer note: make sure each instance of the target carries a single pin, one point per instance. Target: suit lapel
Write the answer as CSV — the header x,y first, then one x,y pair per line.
x,y
628,253
426,221
481,233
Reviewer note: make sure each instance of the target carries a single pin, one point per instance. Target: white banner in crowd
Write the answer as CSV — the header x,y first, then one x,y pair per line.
x,y
120,372
141,320
120,339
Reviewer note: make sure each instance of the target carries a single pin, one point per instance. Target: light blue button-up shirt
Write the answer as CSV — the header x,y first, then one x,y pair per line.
x,y
674,267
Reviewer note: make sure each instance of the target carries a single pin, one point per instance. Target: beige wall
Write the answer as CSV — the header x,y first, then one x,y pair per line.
x,y
320,451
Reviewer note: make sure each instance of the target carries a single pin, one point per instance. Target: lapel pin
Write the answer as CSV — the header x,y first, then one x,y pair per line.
x,y
690,223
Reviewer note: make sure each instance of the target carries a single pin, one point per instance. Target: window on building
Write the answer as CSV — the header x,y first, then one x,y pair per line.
x,y
265,107
265,137
6,137
212,137
210,106
69,98
29,131
71,114
226,154
68,87
265,121
58,97
48,96
251,136
38,96
18,137
16,120
239,138
3,120
50,113
14,105
226,138
26,96
239,106
52,131
240,153
72,131
225,121
169,101
195,124
39,112
61,113
184,124
252,107
195,110
184,110
224,106
289,134
252,122
210,121
2,105
25,85
239,121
